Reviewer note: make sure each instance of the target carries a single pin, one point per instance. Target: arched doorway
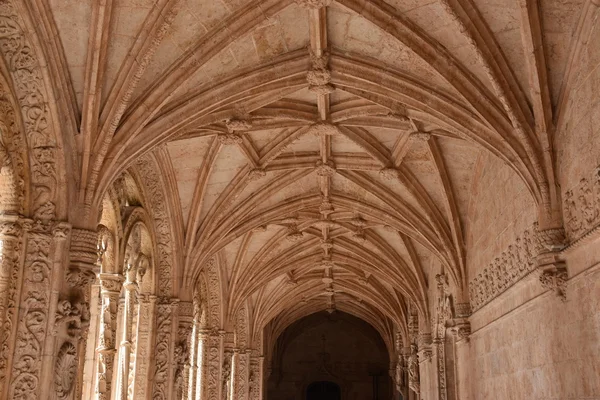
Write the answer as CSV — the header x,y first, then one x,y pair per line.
x,y
323,390
329,356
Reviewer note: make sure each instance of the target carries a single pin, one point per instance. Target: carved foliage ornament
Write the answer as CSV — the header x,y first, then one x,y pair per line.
x,y
25,68
65,370
158,208
31,331
161,352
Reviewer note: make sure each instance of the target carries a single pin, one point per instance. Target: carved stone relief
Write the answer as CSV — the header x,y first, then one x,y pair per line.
x,y
65,372
581,207
31,329
517,261
157,205
164,314
23,64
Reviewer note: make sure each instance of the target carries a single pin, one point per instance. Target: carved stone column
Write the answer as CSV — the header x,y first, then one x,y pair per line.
x,y
226,374
125,347
240,371
31,360
147,307
11,236
194,365
183,352
110,285
165,311
81,273
256,376
210,356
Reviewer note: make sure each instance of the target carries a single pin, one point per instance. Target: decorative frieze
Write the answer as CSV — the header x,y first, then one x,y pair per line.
x,y
582,208
517,261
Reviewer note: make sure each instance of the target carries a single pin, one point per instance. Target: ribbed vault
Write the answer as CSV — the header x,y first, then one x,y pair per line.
x,y
322,152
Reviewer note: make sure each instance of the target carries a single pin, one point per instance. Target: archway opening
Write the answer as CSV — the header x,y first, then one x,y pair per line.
x,y
327,356
323,390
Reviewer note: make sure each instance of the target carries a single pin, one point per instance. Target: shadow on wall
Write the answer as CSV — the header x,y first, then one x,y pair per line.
x,y
329,357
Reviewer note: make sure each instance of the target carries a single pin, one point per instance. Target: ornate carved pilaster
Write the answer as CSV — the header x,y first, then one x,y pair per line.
x,y
110,288
147,307
211,349
162,352
182,353
11,236
83,255
30,369
240,374
256,377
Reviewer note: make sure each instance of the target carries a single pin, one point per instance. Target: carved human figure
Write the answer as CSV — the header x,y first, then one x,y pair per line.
x,y
413,369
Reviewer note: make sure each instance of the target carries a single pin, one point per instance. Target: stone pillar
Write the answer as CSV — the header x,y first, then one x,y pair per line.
x,y
11,236
125,347
211,349
256,377
34,364
79,277
226,374
110,285
240,374
165,318
147,307
194,364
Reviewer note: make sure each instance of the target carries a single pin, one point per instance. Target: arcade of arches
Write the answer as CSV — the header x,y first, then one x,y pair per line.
x,y
299,199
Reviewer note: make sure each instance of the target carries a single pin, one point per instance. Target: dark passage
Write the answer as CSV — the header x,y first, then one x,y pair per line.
x,y
323,391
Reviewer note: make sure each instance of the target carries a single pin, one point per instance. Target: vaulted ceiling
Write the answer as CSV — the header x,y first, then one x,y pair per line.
x,y
323,151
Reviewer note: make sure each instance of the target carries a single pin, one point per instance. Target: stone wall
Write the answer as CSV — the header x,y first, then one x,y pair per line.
x,y
527,344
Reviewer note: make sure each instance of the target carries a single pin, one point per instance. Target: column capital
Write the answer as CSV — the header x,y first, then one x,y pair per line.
x,y
110,284
10,226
